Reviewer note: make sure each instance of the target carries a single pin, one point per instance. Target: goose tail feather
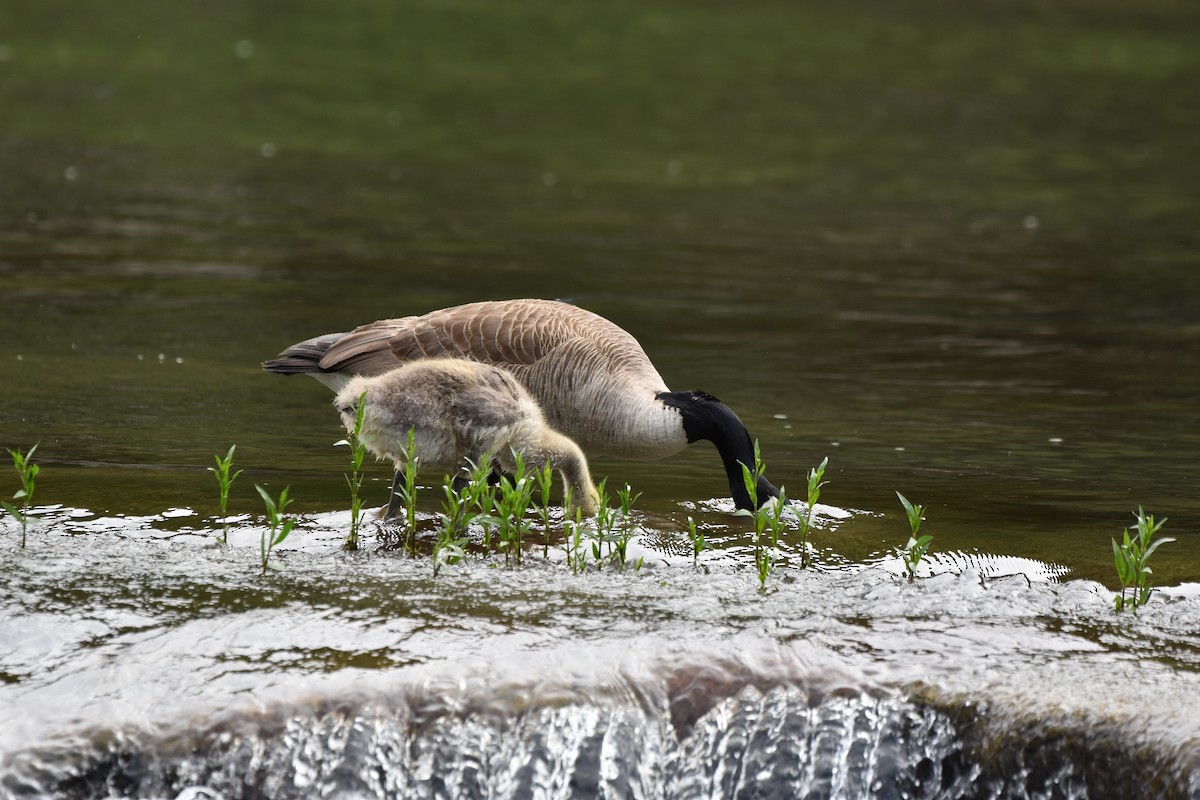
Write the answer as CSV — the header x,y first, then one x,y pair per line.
x,y
303,358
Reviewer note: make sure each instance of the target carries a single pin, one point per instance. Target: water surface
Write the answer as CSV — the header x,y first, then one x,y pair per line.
x,y
950,247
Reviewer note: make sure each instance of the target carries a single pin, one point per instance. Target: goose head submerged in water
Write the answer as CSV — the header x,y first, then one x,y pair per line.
x,y
704,417
592,380
460,412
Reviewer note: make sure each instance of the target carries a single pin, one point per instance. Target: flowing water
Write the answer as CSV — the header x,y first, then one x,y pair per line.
x,y
950,247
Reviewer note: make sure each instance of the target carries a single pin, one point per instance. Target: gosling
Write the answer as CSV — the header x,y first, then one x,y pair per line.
x,y
461,412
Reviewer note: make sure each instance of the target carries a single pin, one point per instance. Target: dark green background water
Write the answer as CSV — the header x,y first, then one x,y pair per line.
x,y
958,240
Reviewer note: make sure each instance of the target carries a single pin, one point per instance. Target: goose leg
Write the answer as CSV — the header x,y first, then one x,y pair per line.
x,y
394,500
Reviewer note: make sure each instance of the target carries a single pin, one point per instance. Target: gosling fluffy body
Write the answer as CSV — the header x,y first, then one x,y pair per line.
x,y
460,411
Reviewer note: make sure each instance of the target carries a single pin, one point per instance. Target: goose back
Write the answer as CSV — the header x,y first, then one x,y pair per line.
x,y
593,381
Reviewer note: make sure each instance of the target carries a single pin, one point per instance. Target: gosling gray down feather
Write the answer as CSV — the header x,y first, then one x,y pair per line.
x,y
460,412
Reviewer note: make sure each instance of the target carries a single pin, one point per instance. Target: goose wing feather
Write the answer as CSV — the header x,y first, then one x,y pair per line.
x,y
515,332
521,334
512,333
363,351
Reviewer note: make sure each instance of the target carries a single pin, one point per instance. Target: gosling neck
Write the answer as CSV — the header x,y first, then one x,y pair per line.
x,y
566,457
706,417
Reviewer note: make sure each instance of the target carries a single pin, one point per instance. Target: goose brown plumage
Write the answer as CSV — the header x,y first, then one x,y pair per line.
x,y
592,380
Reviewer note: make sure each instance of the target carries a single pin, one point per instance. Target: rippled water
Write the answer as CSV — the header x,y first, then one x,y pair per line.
x,y
949,246
176,667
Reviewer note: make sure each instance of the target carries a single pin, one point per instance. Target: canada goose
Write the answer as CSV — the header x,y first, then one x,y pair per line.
x,y
593,381
459,412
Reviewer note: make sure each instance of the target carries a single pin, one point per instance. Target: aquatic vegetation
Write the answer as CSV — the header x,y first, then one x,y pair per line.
x,y
358,451
458,510
481,498
573,528
699,543
1130,558
456,513
512,504
917,546
770,515
463,502
774,509
278,526
448,550
27,471
761,517
627,498
603,526
545,482
815,482
404,490
224,481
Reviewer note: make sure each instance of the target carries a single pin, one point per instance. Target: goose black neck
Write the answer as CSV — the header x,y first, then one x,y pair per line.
x,y
706,417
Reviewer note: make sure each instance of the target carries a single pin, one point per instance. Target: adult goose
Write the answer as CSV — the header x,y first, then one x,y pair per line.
x,y
592,379
460,411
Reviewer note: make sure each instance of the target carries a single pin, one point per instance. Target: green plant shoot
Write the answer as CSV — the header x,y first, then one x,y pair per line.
x,y
225,479
1130,558
407,486
627,498
815,482
358,452
917,546
604,524
545,482
278,526
512,503
27,471
760,516
699,543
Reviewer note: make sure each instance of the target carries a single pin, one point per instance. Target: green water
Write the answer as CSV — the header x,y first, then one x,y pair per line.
x,y
950,246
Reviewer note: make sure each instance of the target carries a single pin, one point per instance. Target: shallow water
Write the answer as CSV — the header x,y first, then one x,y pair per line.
x,y
950,247
178,667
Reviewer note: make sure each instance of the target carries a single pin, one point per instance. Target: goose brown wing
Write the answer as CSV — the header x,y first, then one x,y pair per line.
x,y
520,335
363,351
510,332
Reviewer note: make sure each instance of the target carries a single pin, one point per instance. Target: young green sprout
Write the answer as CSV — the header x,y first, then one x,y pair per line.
x,y
573,530
26,471
512,504
448,551
545,482
1130,558
917,546
406,487
278,526
602,533
224,481
815,483
456,515
456,508
761,517
354,480
627,498
699,543
481,499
